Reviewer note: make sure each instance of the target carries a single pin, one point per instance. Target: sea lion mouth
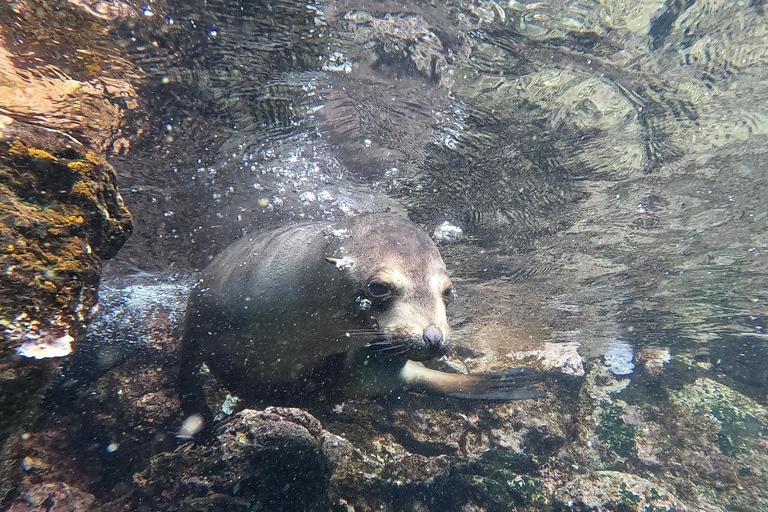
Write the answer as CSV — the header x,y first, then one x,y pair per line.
x,y
399,346
424,350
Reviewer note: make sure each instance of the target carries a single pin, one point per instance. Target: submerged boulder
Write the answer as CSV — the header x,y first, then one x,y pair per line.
x,y
52,497
612,491
263,460
61,215
63,105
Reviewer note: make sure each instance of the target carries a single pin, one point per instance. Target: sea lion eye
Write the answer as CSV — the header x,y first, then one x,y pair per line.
x,y
379,290
449,295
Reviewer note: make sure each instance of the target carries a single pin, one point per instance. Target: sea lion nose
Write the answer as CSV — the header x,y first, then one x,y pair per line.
x,y
433,337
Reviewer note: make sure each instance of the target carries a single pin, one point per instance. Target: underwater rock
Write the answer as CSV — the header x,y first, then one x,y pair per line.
x,y
116,404
62,214
744,359
702,439
653,359
263,460
60,211
418,453
119,387
742,422
52,497
607,433
720,438
609,491
553,357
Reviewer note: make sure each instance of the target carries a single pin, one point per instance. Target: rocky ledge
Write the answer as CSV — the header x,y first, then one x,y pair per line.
x,y
106,441
60,215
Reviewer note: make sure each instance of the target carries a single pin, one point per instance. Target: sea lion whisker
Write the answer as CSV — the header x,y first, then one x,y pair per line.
x,y
382,347
385,343
371,334
395,354
392,350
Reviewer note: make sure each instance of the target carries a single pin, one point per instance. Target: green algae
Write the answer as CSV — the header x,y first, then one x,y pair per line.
x,y
505,485
617,433
740,419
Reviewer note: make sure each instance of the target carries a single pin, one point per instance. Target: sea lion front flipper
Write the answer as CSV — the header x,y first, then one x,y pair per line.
x,y
510,384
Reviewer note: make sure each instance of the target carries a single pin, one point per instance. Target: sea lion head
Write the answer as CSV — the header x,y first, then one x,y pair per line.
x,y
400,283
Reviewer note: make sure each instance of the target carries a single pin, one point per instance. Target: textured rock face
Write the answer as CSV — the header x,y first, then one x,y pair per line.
x,y
611,490
60,215
52,497
283,459
263,460
60,210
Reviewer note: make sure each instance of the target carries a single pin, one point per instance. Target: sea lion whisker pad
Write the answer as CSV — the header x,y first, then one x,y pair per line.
x,y
320,308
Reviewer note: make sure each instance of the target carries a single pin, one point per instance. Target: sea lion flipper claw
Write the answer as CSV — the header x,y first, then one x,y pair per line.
x,y
512,384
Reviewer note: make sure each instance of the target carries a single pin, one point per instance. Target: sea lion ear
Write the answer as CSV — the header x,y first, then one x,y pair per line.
x,y
341,263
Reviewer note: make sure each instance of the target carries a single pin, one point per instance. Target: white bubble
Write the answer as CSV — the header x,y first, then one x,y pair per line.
x,y
447,232
191,426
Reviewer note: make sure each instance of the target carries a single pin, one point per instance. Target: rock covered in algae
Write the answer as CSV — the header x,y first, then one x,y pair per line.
x,y
263,460
421,453
60,214
283,459
721,439
52,497
65,89
612,491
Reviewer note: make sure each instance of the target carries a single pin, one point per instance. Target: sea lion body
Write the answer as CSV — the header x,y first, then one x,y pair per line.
x,y
345,307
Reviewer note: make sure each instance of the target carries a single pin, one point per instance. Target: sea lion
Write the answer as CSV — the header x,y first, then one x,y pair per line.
x,y
330,308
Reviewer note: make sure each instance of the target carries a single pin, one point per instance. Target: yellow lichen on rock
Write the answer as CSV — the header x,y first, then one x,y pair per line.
x,y
47,227
41,154
49,286
17,149
73,220
95,158
85,190
81,167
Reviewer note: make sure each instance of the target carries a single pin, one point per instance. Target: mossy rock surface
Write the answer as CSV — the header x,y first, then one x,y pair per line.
x,y
743,424
613,491
60,214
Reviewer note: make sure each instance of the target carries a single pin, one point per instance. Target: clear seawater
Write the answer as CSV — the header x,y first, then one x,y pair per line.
x,y
605,160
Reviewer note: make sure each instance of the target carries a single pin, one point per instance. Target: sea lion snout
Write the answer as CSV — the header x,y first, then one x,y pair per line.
x,y
431,344
436,344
